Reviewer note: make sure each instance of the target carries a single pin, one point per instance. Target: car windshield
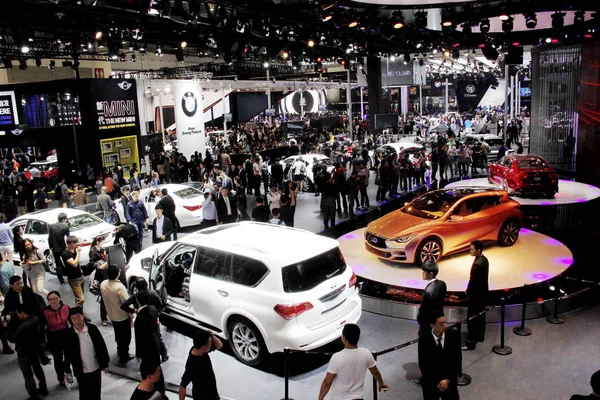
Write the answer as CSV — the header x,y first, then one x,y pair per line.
x,y
188,193
82,221
494,142
310,273
324,161
432,205
530,163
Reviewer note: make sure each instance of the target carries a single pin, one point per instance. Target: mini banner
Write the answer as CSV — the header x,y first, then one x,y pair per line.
x,y
189,117
8,109
114,102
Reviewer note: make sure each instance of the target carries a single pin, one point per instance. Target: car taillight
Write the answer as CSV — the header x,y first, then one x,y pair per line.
x,y
192,208
352,281
293,311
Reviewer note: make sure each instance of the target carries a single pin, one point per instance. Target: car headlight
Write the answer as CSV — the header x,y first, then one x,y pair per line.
x,y
404,239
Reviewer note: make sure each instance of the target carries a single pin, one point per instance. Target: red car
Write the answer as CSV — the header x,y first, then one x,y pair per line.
x,y
47,169
524,174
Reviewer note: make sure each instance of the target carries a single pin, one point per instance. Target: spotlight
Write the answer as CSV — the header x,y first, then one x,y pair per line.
x,y
25,48
352,21
446,53
284,54
507,25
484,25
503,16
310,43
421,19
327,14
548,40
530,20
98,35
490,53
265,65
398,20
447,19
558,20
183,44
52,64
516,43
579,17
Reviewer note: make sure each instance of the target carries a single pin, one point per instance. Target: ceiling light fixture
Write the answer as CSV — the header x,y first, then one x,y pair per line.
x,y
558,20
530,20
484,25
421,19
352,22
507,25
98,35
447,19
183,44
310,43
398,20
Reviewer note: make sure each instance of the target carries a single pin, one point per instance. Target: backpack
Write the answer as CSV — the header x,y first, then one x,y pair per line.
x,y
58,192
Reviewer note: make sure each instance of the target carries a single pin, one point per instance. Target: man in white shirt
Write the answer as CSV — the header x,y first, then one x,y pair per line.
x,y
298,172
346,371
209,212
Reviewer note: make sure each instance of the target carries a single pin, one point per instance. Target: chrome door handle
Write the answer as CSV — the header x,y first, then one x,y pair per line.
x,y
223,293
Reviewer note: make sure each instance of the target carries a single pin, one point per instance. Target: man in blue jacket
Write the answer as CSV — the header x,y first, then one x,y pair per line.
x,y
136,214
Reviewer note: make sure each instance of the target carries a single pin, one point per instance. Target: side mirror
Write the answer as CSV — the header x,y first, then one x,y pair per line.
x,y
455,218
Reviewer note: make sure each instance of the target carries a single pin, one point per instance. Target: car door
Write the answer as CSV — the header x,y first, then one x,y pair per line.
x,y
178,265
467,223
157,276
37,231
211,287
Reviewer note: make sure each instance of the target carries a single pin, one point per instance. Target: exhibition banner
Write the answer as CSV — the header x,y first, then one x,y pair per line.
x,y
114,102
395,72
189,117
469,94
8,109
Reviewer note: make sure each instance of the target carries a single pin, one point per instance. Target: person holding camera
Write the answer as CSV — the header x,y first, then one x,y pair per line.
x,y
70,258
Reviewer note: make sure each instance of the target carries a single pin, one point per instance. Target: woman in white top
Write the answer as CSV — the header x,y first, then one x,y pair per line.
x,y
34,266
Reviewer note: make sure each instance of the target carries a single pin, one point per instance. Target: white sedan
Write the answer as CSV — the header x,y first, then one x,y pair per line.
x,y
188,203
81,224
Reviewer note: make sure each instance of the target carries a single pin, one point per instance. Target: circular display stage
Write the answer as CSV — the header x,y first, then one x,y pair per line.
x,y
534,258
569,192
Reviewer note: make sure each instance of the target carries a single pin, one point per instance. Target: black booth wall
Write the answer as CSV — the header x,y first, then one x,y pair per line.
x,y
247,105
69,140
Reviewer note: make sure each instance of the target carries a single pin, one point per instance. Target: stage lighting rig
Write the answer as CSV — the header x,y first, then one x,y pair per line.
x,y
558,20
530,20
421,19
484,25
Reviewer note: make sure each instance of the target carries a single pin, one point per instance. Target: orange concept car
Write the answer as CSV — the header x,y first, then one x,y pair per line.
x,y
444,221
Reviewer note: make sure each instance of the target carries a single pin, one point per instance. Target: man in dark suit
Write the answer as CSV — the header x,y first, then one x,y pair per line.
x,y
57,236
595,382
168,205
433,295
477,290
135,182
126,198
162,227
147,343
226,207
439,359
277,172
83,342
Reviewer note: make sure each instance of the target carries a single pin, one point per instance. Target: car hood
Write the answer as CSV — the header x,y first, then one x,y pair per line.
x,y
397,223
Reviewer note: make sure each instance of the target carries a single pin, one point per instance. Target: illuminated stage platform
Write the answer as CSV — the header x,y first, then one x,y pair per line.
x,y
569,192
394,289
534,258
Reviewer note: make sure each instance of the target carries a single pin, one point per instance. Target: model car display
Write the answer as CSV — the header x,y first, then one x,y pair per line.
x,y
248,283
405,146
524,175
444,221
81,224
45,169
188,203
309,162
495,143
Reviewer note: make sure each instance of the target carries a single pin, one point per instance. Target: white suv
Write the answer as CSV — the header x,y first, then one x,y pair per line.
x,y
263,287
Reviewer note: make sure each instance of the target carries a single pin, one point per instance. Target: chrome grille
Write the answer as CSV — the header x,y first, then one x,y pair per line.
x,y
375,240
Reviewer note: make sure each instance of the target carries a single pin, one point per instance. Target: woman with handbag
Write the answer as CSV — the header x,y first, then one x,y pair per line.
x,y
98,261
34,265
55,330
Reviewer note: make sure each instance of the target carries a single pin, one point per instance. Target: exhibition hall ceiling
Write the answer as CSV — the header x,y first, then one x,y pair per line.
x,y
285,31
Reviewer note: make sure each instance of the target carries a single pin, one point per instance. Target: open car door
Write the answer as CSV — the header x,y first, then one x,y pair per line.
x,y
157,277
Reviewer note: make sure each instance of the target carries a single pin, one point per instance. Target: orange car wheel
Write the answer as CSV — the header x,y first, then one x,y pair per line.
x,y
429,249
509,233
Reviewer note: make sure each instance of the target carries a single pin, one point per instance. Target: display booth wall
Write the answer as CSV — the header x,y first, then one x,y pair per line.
x,y
71,117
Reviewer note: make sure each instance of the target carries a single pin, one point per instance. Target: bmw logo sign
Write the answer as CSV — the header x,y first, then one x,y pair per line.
x,y
189,104
470,88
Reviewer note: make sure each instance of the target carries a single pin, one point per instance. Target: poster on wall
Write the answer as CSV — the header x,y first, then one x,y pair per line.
x,y
189,117
8,109
114,102
122,150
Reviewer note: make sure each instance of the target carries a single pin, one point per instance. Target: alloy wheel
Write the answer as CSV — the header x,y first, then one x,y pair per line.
x,y
430,251
509,233
50,262
246,344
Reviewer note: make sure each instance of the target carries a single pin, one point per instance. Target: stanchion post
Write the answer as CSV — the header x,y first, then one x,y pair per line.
x,y
502,349
463,379
374,381
286,372
554,318
521,330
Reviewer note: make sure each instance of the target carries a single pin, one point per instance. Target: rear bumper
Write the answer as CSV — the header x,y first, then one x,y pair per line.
x,y
300,337
525,189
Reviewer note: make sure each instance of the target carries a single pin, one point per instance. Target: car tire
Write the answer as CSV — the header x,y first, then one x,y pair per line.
x,y
429,249
509,233
246,341
50,263
306,185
